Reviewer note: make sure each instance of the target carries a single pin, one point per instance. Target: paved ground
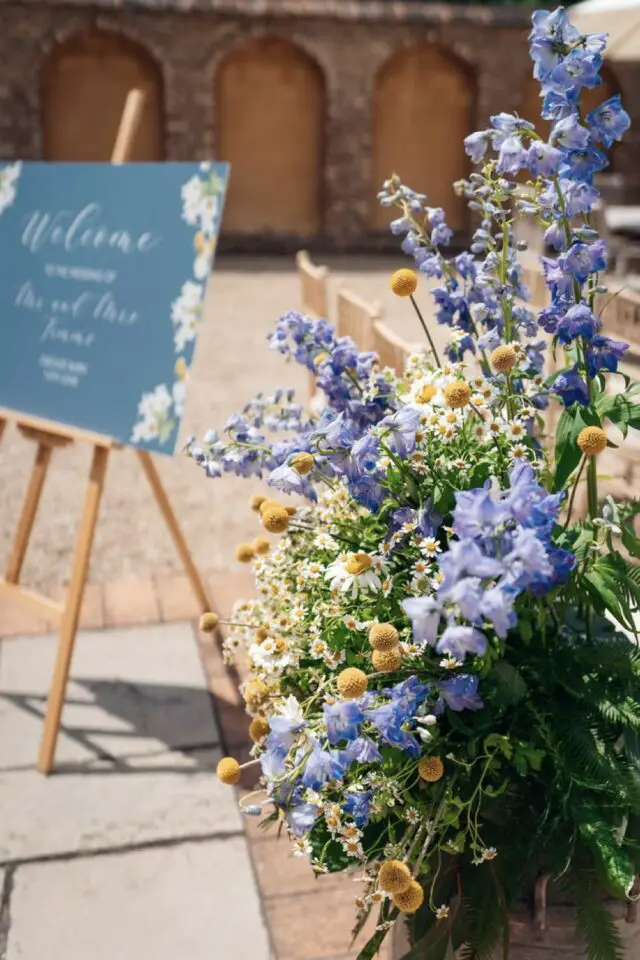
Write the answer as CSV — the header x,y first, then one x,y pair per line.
x,y
132,849
232,363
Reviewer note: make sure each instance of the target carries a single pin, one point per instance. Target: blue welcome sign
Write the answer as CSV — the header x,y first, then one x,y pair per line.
x,y
102,279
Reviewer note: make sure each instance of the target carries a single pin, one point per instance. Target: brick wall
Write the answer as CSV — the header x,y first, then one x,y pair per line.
x,y
348,41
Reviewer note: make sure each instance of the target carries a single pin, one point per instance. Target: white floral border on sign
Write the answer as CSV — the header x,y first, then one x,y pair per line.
x,y
160,409
9,175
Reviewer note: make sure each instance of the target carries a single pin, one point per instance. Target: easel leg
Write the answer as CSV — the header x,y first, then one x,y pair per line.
x,y
160,494
72,610
28,513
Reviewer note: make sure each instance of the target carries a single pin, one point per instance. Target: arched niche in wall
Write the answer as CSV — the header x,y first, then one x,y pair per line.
x,y
531,104
85,83
422,110
270,124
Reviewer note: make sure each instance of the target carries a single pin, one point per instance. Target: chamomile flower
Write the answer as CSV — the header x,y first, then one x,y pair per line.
x,y
356,573
412,815
450,663
442,912
516,430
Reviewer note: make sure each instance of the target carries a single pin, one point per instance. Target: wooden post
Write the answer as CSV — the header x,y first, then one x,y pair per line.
x,y
69,626
122,150
166,510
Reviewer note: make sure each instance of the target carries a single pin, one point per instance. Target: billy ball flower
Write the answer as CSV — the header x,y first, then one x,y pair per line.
x,y
394,876
260,545
209,622
256,501
302,463
255,692
592,441
258,729
245,552
503,358
409,900
261,635
457,394
228,771
383,636
404,282
275,518
386,661
352,683
431,769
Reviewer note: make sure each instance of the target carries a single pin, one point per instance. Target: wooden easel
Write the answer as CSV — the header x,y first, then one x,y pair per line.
x,y
49,435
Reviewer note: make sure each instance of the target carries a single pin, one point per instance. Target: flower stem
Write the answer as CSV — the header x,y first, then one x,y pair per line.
x,y
426,330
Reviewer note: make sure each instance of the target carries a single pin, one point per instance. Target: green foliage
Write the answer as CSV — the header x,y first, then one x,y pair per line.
x,y
568,454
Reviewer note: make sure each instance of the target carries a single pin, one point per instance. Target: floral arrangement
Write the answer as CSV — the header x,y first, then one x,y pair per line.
x,y
444,672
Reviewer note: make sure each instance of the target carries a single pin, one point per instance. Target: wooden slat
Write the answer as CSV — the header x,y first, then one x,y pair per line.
x,y
35,602
392,350
356,318
313,286
56,429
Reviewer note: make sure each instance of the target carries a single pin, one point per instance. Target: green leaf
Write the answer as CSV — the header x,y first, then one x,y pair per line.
x,y
568,453
618,872
509,683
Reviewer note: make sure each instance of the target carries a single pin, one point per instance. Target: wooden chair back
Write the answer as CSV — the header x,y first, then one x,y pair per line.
x,y
392,350
313,286
356,318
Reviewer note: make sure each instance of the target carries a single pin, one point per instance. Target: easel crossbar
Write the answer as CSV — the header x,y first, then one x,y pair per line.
x,y
32,601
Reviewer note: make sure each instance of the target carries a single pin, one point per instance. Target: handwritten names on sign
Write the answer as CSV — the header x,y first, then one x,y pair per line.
x,y
101,291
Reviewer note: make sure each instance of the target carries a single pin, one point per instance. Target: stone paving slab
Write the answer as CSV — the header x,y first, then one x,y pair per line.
x,y
137,697
133,690
192,901
101,805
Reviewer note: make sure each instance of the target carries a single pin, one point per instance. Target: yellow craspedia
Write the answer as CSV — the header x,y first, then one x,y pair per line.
x,y
431,769
209,622
261,634
592,441
394,876
260,545
457,394
291,511
503,358
256,501
275,519
302,463
426,393
383,636
245,553
409,900
255,692
258,729
404,282
386,661
228,771
352,683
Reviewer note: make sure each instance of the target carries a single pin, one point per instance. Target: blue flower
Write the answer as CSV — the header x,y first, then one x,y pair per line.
x,y
476,145
460,640
497,607
609,121
424,613
578,321
527,558
577,69
388,720
302,817
571,388
512,155
322,765
282,732
286,479
583,164
362,750
358,805
466,593
461,692
585,258
465,558
476,515
342,720
400,430
543,160
570,134
605,354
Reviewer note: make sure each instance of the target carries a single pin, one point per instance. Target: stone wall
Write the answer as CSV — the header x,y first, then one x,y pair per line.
x,y
347,44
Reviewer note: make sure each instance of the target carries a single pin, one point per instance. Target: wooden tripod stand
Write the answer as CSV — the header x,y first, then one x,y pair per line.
x,y
49,435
